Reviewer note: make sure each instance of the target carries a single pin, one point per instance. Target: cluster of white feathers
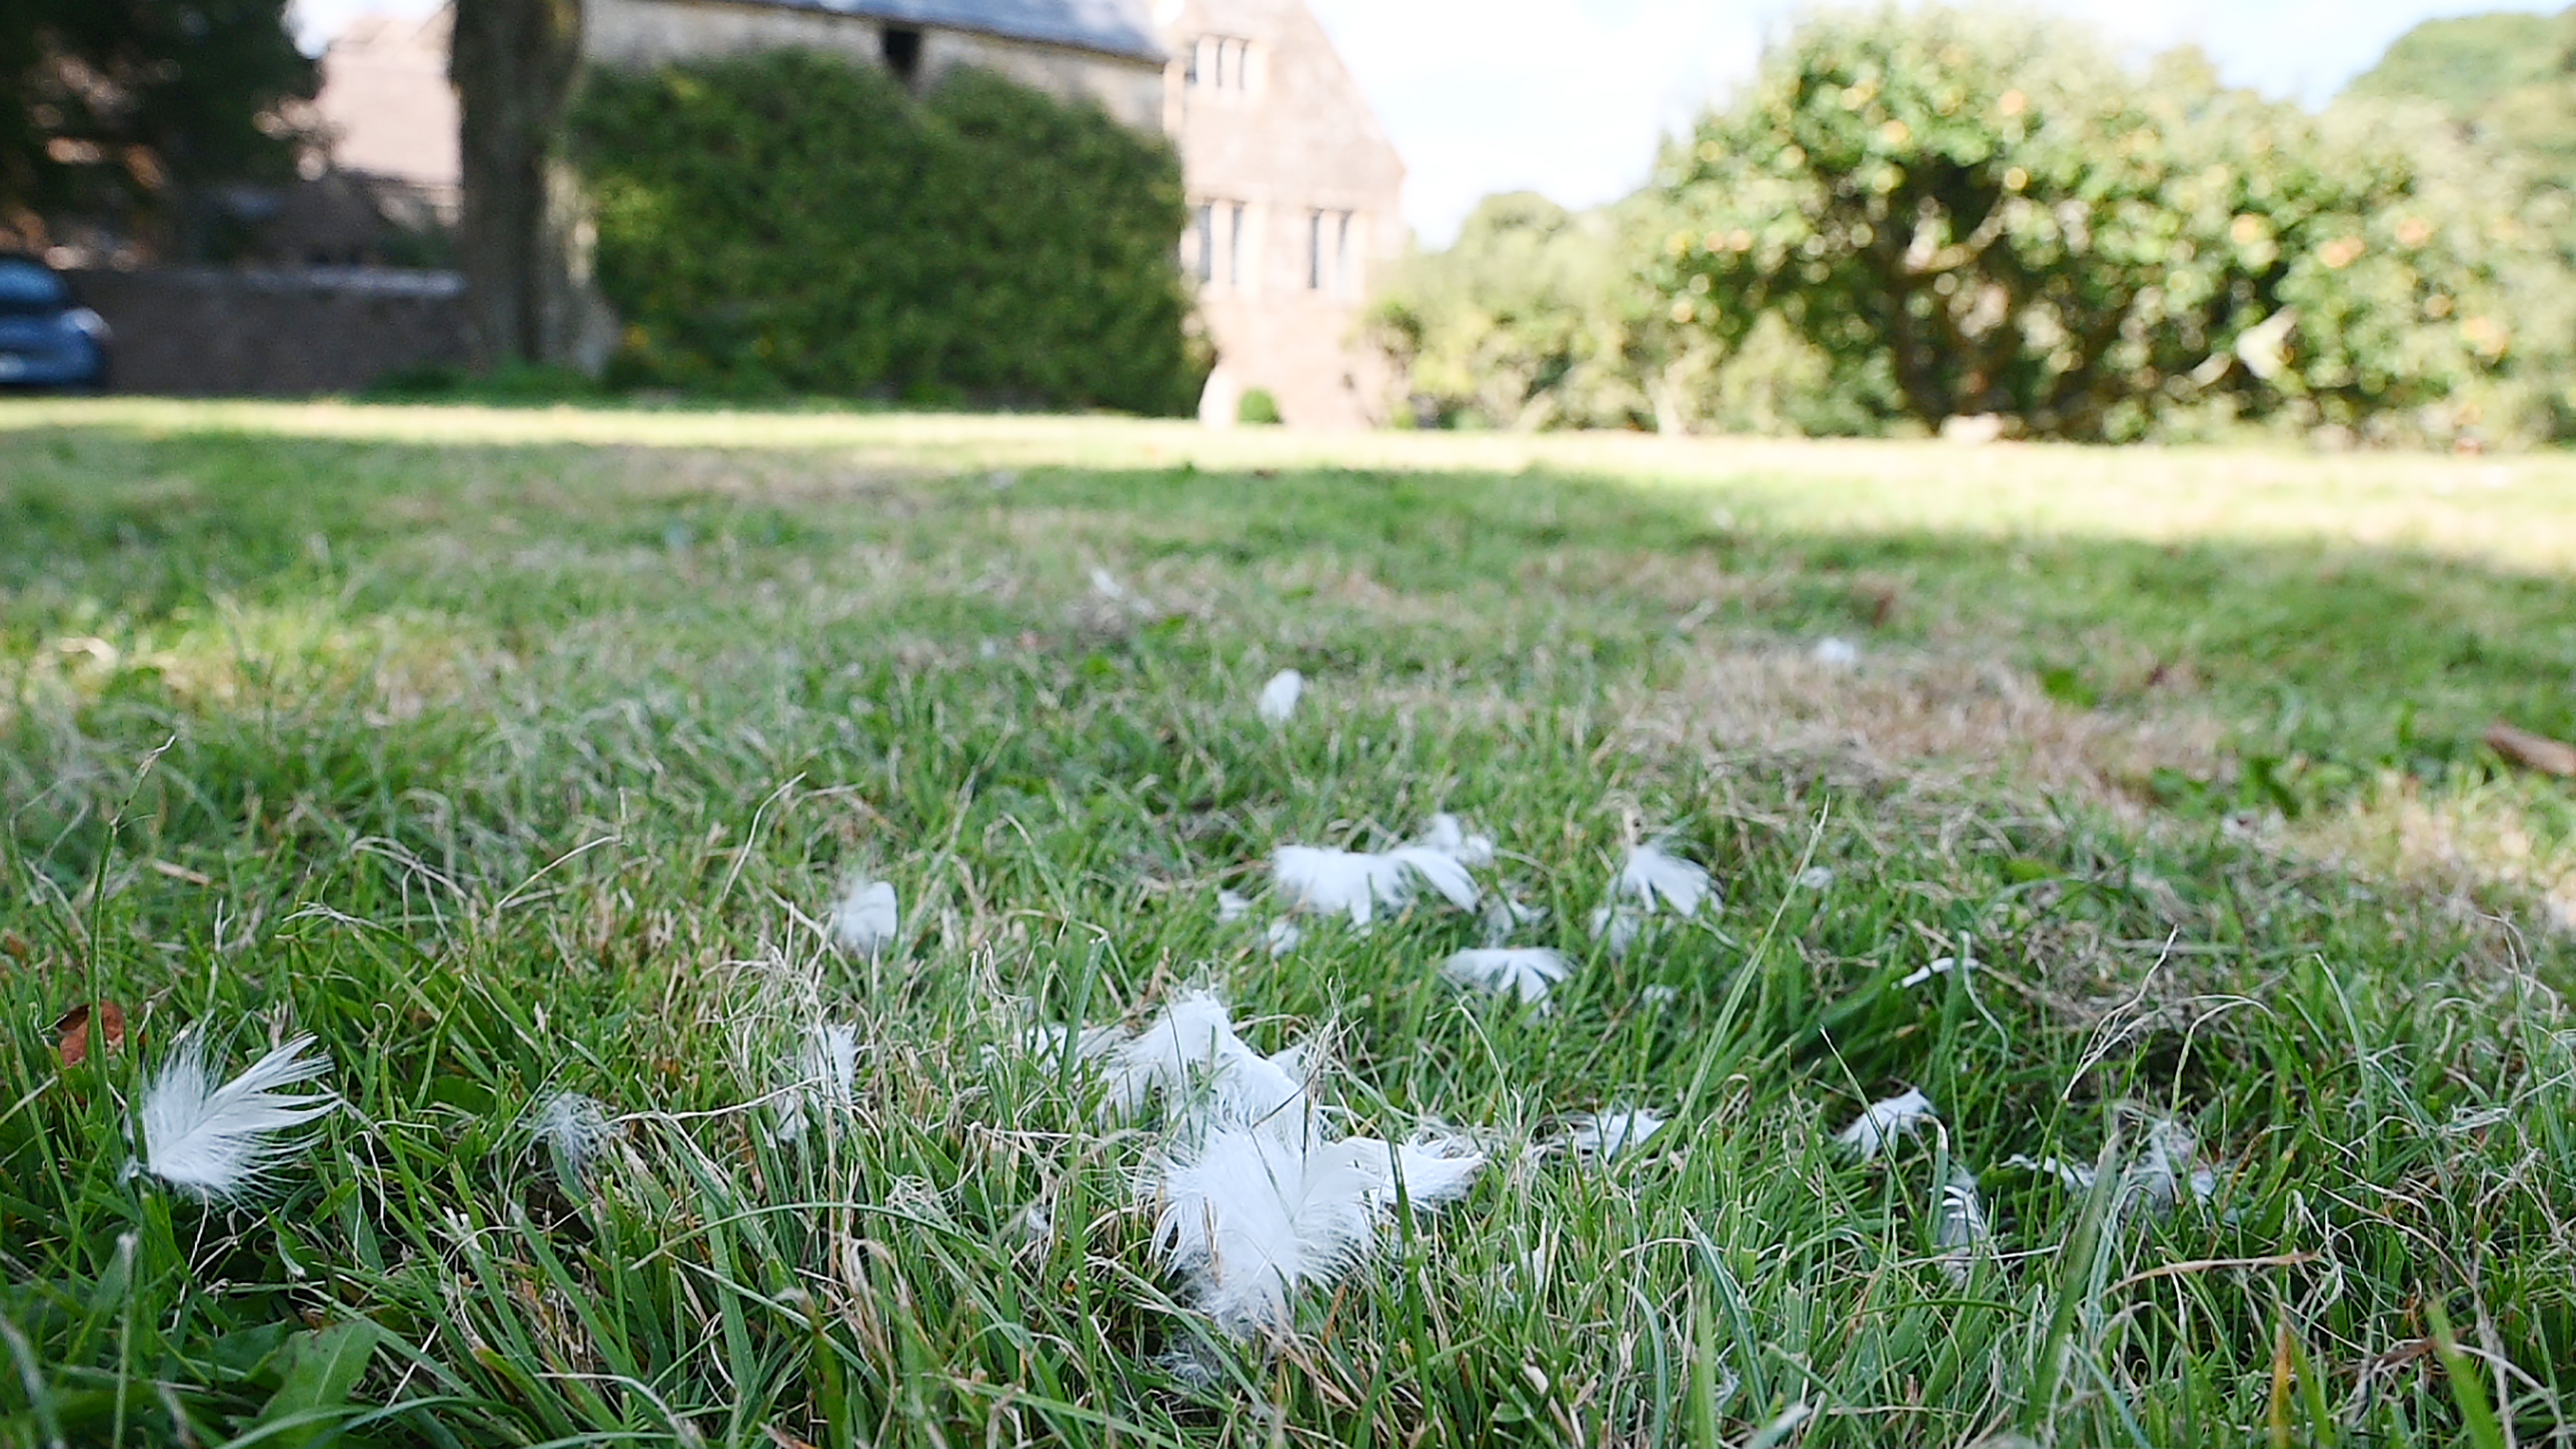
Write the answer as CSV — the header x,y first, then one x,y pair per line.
x,y
1255,1195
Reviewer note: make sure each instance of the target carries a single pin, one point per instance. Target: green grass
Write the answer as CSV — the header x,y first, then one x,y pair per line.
x,y
519,751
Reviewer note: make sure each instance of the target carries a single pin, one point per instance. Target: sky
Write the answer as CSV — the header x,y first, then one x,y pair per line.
x,y
1569,97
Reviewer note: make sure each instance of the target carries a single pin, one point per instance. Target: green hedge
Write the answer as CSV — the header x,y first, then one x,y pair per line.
x,y
796,222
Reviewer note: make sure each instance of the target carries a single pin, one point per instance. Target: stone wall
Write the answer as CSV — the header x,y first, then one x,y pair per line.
x,y
204,331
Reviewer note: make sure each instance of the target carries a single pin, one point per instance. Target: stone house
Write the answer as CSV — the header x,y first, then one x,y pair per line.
x,y
1295,196
1293,186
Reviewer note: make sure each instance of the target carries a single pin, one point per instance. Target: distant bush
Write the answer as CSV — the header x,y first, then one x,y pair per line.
x,y
795,222
1258,406
1915,215
1986,215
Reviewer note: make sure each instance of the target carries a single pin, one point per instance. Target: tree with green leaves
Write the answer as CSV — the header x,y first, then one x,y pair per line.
x,y
1991,216
130,114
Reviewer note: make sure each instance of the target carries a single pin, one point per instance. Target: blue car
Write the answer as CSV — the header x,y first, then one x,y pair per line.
x,y
47,339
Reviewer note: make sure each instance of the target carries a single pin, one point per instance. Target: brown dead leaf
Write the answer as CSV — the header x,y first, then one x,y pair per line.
x,y
2531,751
73,1034
15,946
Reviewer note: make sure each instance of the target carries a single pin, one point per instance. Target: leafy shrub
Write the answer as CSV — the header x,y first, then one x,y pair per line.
x,y
1995,218
793,221
1258,406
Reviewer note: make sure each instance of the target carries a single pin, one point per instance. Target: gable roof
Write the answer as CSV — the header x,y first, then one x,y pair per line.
x,y
1108,26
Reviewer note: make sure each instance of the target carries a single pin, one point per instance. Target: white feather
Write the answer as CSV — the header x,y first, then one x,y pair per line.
x,y
1250,1217
1279,696
826,1080
1232,906
1047,1039
2168,1164
866,918
1525,972
1106,585
1960,1229
574,1130
1607,1134
1282,937
1448,835
1881,1123
1433,1168
220,1144
1816,878
1504,915
1326,881
1617,928
1837,653
1191,1057
1938,966
2073,1176
1656,880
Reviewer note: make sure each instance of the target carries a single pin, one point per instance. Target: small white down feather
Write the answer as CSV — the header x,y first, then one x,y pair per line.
x,y
1651,880
1190,1056
1882,1122
1660,881
1279,697
826,1078
220,1144
1526,973
866,917
1324,881
1249,1216
1607,1134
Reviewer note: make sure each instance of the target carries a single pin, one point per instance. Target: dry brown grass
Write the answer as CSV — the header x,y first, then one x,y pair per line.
x,y
1944,721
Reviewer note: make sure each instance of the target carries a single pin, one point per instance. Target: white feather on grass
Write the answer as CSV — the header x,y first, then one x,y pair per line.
x,y
866,917
1325,881
2168,1164
574,1130
1279,697
1250,1217
1449,835
1090,1044
826,1078
1190,1056
1232,906
1282,937
1524,972
1816,878
1607,1134
1937,966
1959,1228
1836,653
1433,1168
221,1144
1657,880
1617,928
1882,1122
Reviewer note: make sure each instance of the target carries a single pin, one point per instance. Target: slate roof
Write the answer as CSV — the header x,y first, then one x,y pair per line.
x,y
1109,26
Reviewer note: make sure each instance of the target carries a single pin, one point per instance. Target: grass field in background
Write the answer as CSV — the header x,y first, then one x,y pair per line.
x,y
521,751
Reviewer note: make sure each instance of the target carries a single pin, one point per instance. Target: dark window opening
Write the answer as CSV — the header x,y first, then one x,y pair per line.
x,y
902,45
1203,222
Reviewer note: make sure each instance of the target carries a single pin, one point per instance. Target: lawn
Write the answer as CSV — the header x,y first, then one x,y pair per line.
x,y
521,753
